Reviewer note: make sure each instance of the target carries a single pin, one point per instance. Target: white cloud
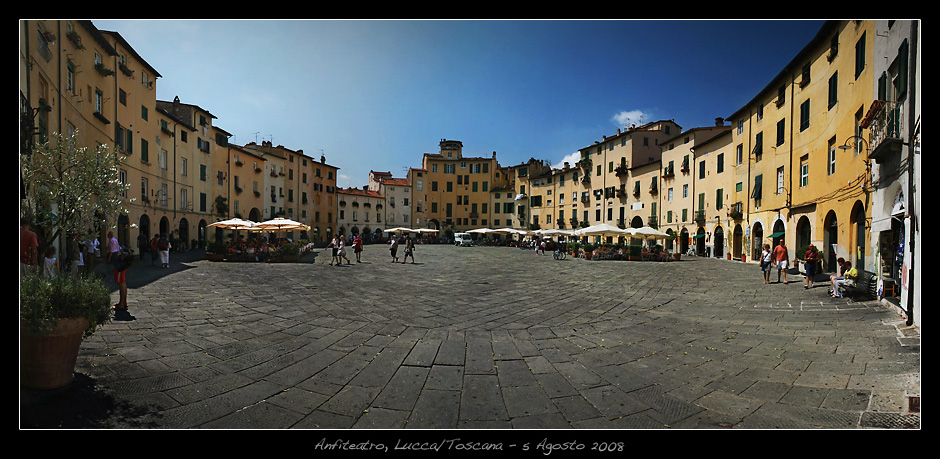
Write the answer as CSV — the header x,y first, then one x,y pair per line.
x,y
626,118
570,159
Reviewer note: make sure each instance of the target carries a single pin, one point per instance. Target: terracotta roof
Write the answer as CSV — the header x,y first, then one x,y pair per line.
x,y
360,192
396,182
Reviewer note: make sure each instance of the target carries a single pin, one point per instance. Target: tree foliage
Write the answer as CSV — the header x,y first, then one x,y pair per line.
x,y
70,188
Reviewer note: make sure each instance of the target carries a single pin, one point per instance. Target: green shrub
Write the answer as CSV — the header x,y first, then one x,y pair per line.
x,y
43,301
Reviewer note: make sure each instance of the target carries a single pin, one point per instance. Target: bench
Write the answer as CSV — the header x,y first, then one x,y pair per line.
x,y
866,286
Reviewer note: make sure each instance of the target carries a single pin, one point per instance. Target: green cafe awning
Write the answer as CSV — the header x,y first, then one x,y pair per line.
x,y
698,236
777,234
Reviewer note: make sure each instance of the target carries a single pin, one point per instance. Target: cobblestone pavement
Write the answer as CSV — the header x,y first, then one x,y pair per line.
x,y
486,338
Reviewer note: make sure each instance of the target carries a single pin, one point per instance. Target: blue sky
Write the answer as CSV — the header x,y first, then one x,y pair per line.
x,y
376,95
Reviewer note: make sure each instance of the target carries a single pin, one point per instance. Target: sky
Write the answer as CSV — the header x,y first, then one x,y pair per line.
x,y
377,94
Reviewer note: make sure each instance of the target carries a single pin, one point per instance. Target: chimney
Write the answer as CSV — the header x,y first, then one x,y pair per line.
x,y
719,121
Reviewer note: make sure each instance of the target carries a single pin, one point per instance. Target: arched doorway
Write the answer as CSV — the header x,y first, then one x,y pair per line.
x,y
184,234
700,241
719,242
858,223
804,232
757,240
669,240
736,241
164,226
779,234
637,222
684,241
830,241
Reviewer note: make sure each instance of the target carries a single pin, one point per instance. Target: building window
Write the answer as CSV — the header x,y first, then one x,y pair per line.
x,y
833,89
804,171
804,115
860,56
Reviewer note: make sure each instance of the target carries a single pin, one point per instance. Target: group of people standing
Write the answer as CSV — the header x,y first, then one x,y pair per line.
x,y
158,247
338,250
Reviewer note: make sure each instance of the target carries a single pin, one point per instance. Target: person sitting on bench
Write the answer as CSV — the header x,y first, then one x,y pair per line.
x,y
848,280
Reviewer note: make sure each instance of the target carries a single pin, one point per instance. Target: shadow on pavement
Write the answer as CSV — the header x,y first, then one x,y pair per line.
x,y
79,405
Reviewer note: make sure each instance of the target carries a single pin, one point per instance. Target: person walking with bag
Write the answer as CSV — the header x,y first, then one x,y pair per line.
x,y
409,251
765,263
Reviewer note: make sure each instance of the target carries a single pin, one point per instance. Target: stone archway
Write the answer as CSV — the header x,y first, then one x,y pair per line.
x,y
859,226
830,241
700,241
737,241
719,241
804,233
757,240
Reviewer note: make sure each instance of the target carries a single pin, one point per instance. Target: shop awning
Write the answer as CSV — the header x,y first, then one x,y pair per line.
x,y
777,234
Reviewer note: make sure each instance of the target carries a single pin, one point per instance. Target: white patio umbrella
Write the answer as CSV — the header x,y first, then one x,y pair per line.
x,y
279,224
480,231
401,230
233,224
647,232
602,229
427,230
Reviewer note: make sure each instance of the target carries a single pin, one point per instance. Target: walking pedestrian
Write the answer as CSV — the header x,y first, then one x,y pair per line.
x,y
163,245
113,247
409,251
766,263
334,245
781,258
357,247
154,251
393,248
342,251
29,247
812,259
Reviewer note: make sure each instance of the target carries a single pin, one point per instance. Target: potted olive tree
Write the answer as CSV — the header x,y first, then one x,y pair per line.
x,y
68,190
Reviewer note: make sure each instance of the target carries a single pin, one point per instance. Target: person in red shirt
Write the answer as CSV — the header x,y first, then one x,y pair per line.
x,y
812,259
781,257
357,247
29,249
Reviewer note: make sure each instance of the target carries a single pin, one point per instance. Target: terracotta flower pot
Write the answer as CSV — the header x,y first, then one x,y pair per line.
x,y
48,361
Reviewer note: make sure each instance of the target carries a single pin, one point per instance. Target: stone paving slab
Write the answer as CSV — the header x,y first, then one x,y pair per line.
x,y
485,338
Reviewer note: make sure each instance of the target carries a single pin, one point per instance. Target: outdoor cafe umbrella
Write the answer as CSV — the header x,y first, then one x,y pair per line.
x,y
601,229
234,224
279,224
401,230
647,232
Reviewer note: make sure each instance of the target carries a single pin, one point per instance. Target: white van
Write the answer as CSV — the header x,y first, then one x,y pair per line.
x,y
462,240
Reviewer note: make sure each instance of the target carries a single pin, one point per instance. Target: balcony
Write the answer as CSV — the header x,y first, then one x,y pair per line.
x,y
700,216
886,125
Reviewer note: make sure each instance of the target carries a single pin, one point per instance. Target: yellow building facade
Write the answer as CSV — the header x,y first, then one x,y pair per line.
x,y
457,195
712,193
802,188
